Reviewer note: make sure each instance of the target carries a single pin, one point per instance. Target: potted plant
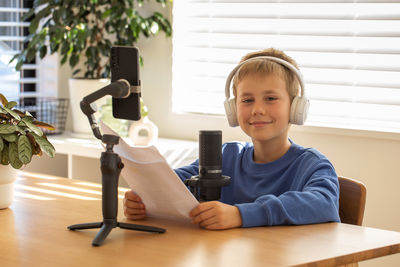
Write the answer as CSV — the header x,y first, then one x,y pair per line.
x,y
20,139
82,32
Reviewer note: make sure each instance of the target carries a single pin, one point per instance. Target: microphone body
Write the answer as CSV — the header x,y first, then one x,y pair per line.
x,y
207,185
125,65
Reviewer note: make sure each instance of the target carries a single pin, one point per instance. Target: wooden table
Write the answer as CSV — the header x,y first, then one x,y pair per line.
x,y
33,232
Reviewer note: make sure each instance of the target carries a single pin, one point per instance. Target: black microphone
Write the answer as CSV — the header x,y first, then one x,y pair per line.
x,y
125,65
207,185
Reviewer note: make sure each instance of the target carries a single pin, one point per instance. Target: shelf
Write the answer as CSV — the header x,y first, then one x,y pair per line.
x,y
176,152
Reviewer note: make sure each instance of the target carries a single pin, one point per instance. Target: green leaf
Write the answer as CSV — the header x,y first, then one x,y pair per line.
x,y
13,156
31,126
3,100
28,117
43,13
43,51
73,60
24,149
13,58
11,104
45,145
11,138
21,60
31,55
21,124
64,59
28,14
7,128
12,113
4,155
22,128
34,25
75,72
106,13
1,144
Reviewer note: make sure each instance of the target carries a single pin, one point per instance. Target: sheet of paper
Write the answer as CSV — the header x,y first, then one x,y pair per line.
x,y
149,175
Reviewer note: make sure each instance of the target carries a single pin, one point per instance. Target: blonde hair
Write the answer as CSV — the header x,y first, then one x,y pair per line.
x,y
265,67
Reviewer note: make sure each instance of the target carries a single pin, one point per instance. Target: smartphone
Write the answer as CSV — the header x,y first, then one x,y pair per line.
x,y
125,65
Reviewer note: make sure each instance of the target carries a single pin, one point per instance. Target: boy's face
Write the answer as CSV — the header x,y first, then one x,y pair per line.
x,y
263,107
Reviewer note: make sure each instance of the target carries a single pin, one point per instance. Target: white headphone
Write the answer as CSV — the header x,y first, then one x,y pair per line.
x,y
300,104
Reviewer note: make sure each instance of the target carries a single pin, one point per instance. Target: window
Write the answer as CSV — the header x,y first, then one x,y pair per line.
x,y
37,77
348,52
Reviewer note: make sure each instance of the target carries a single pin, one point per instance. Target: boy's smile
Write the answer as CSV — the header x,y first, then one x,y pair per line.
x,y
260,123
263,109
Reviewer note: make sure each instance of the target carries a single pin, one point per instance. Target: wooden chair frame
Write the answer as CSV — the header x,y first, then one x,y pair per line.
x,y
352,200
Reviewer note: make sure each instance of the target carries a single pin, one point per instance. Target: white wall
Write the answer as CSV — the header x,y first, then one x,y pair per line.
x,y
370,157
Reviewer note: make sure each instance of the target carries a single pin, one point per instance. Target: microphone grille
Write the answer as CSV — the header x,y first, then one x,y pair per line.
x,y
210,143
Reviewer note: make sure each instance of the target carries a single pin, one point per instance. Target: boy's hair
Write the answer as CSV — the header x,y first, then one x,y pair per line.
x,y
265,67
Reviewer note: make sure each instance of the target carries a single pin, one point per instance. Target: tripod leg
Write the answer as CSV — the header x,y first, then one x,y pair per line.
x,y
138,227
85,226
102,234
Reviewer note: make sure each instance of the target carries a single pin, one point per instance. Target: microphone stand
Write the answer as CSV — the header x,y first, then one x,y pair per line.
x,y
111,166
205,189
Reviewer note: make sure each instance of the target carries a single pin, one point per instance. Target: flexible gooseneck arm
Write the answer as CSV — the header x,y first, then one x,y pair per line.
x,y
118,89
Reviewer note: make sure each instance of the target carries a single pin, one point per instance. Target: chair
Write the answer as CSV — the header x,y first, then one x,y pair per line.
x,y
351,204
351,201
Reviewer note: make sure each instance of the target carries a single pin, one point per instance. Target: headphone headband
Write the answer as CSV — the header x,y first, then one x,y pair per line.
x,y
275,59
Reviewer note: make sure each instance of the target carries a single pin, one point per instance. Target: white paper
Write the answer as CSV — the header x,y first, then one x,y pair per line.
x,y
149,175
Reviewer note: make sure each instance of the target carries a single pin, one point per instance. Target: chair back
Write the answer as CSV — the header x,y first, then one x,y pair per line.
x,y
351,201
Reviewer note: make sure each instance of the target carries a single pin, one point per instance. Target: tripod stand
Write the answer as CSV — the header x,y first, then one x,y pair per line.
x,y
111,166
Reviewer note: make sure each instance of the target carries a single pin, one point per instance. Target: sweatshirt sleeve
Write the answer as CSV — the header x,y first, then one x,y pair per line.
x,y
188,171
316,202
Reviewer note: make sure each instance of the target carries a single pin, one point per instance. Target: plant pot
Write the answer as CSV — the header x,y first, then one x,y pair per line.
x,y
8,175
143,132
78,89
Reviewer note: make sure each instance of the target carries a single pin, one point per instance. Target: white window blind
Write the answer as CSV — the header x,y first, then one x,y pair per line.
x,y
348,53
27,83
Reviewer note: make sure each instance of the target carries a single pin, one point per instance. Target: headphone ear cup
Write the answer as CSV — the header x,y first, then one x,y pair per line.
x,y
230,111
299,110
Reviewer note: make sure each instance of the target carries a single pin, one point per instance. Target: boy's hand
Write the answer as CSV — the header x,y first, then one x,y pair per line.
x,y
134,208
215,215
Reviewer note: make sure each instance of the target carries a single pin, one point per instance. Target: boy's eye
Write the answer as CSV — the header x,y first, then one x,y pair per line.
x,y
247,100
270,98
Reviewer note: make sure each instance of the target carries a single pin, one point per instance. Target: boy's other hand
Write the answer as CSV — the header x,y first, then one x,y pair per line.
x,y
134,208
215,215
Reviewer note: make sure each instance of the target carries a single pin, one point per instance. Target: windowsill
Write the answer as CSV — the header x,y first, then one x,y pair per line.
x,y
89,146
346,132
203,121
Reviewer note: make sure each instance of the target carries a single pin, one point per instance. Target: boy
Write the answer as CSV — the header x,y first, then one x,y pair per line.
x,y
273,180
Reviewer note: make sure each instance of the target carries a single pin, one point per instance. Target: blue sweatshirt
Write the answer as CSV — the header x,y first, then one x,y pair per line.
x,y
301,187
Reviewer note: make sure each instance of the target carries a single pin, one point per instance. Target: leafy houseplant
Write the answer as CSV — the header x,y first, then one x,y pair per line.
x,y
83,31
21,136
87,28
